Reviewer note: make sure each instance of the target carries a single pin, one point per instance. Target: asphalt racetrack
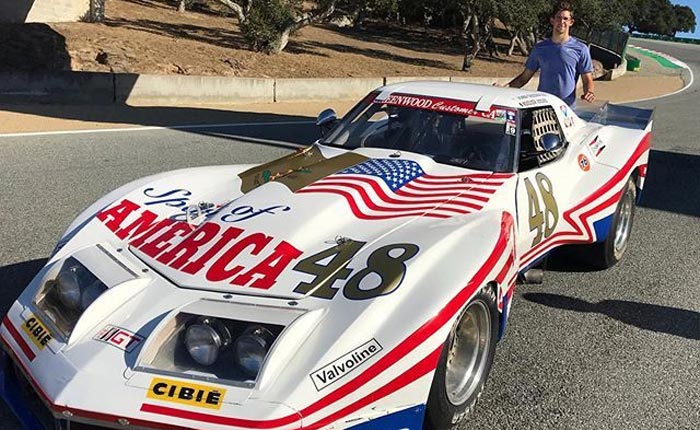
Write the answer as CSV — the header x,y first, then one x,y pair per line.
x,y
615,349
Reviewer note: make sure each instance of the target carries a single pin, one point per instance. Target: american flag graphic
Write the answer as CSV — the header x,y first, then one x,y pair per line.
x,y
384,189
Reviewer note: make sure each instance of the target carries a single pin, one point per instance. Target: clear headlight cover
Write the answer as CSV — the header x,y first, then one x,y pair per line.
x,y
63,299
204,347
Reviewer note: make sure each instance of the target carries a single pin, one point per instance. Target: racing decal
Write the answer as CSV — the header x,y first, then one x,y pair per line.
x,y
37,331
511,125
23,345
118,337
583,163
345,364
153,237
459,107
542,221
297,170
387,264
179,198
578,216
597,146
568,117
381,189
186,393
245,212
530,100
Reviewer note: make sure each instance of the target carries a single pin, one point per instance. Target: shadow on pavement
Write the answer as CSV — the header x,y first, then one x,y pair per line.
x,y
14,278
672,183
657,318
297,129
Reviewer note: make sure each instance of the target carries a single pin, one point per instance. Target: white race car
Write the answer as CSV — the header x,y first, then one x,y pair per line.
x,y
361,283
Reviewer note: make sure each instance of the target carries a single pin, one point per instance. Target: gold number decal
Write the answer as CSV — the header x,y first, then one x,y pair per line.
x,y
384,262
389,269
327,274
543,222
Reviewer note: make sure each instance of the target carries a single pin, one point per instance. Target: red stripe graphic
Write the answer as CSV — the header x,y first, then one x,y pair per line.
x,y
578,235
26,349
415,339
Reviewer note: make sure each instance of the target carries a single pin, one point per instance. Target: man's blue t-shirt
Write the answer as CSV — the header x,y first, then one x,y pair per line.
x,y
560,66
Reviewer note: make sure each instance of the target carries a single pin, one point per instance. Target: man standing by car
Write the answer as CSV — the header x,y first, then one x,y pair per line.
x,y
560,59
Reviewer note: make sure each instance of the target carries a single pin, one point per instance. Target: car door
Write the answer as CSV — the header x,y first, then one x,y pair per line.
x,y
546,182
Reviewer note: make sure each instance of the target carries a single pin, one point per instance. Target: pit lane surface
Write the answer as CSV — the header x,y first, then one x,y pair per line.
x,y
585,350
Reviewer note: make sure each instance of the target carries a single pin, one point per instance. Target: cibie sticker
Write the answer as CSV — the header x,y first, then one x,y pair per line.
x,y
119,338
37,331
583,163
185,393
340,367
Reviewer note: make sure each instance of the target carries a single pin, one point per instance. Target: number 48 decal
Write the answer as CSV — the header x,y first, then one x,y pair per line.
x,y
386,263
543,221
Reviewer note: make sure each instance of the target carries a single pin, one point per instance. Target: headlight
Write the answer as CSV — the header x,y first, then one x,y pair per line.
x,y
212,346
251,348
205,339
64,298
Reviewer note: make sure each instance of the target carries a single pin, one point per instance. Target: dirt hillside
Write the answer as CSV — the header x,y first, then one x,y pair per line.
x,y
150,36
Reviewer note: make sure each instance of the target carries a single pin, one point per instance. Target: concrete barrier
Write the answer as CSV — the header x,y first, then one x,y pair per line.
x,y
168,89
57,87
289,90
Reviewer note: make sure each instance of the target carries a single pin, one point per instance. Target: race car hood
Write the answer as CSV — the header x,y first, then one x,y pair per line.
x,y
277,229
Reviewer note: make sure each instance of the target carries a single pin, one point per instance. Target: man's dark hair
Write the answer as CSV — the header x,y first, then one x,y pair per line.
x,y
562,6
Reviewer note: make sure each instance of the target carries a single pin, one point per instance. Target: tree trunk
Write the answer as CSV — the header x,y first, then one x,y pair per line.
x,y
302,21
281,42
241,13
471,51
181,6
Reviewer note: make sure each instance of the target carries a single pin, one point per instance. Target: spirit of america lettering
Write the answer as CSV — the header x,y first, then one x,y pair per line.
x,y
152,236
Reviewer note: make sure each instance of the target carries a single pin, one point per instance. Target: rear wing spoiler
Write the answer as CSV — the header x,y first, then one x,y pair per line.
x,y
623,116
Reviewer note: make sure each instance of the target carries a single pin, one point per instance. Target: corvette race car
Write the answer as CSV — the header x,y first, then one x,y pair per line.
x,y
360,283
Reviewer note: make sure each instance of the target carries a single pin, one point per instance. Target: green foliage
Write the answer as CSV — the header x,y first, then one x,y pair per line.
x,y
685,19
266,22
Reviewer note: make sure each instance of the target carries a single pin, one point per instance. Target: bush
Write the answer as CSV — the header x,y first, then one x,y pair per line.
x,y
266,23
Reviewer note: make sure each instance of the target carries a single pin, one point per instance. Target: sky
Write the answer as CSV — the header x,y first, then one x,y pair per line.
x,y
695,5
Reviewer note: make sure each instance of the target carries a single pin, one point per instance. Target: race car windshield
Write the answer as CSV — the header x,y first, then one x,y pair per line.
x,y
450,131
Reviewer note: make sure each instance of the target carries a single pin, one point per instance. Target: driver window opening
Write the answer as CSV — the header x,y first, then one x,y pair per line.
x,y
535,124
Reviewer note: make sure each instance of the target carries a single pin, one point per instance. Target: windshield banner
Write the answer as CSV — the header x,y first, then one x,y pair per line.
x,y
458,107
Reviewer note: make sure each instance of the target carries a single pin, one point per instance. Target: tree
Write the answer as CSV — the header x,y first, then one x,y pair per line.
x,y
269,23
653,16
685,19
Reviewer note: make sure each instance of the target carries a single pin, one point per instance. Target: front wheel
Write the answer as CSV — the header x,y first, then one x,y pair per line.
x,y
610,251
465,363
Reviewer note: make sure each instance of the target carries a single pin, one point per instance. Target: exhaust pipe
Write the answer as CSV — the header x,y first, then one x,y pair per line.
x,y
533,276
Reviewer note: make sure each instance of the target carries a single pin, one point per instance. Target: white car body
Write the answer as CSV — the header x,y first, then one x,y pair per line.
x,y
362,356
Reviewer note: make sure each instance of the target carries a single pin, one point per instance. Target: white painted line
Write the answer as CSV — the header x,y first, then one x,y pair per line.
x,y
149,128
674,60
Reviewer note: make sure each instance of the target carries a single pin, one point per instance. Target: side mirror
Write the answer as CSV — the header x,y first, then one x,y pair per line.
x,y
326,121
551,142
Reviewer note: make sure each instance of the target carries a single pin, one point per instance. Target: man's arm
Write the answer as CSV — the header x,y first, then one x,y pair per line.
x,y
588,90
522,79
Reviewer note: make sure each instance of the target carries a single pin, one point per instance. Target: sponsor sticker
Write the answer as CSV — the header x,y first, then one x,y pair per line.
x,y
597,146
583,163
37,331
568,118
340,367
185,393
459,107
119,338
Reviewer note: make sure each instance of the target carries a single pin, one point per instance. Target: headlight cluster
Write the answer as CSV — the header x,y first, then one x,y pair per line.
x,y
64,298
228,349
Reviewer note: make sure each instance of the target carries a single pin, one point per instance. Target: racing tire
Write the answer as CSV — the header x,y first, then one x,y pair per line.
x,y
464,363
609,252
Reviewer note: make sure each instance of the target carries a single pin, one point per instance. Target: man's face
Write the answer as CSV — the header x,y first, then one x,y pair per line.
x,y
561,22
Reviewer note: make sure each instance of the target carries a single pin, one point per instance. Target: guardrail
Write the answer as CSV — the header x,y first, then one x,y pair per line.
x,y
667,38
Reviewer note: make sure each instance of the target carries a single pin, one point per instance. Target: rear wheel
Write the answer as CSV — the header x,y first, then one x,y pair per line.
x,y
465,363
610,251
